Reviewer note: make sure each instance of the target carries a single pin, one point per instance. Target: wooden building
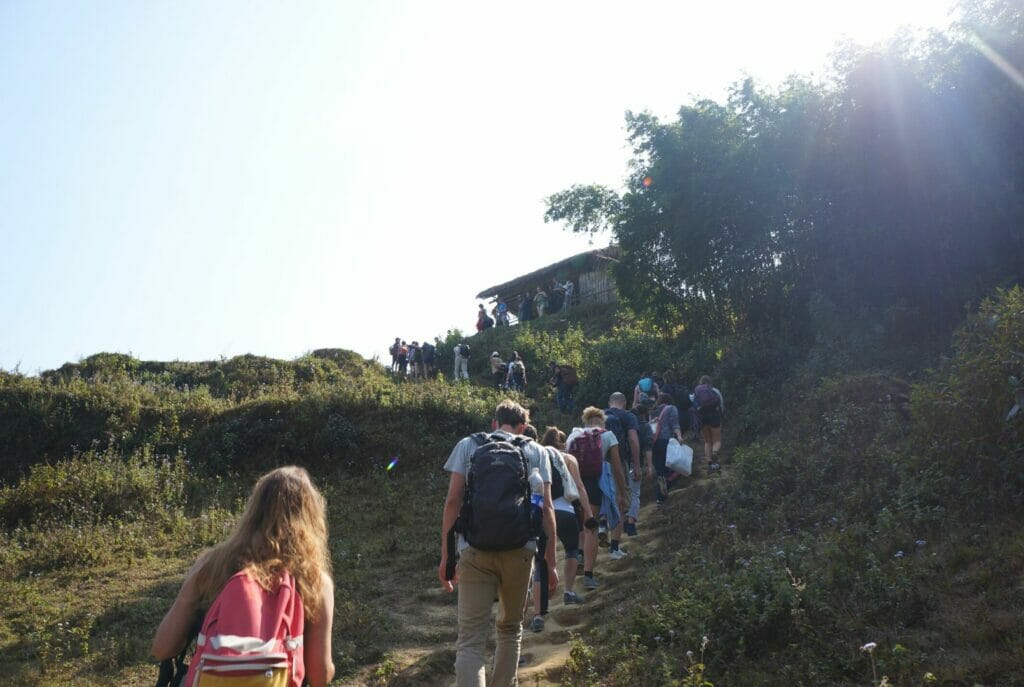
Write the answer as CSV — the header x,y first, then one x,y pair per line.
x,y
589,273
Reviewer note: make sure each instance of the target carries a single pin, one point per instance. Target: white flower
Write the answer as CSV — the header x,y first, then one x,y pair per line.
x,y
869,647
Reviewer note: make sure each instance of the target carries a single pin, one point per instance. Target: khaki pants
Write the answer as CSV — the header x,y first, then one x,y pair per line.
x,y
482,575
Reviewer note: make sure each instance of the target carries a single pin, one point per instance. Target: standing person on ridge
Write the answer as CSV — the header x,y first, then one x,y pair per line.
x,y
461,361
483,575
393,350
711,405
541,301
428,359
278,546
597,452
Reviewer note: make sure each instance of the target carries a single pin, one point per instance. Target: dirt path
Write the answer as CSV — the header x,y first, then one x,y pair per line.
x,y
426,659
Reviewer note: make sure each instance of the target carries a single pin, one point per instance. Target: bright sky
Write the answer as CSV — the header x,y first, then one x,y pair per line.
x,y
191,179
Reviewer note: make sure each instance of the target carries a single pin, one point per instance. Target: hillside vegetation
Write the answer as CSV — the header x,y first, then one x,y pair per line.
x,y
812,248
864,507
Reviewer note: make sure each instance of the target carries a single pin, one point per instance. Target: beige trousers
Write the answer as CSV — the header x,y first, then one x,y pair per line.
x,y
482,576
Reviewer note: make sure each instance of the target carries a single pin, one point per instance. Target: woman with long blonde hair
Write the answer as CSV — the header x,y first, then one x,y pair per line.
x,y
282,532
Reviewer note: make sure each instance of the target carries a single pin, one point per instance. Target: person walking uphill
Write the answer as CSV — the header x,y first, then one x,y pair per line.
x,y
564,379
710,404
267,591
667,427
597,452
489,498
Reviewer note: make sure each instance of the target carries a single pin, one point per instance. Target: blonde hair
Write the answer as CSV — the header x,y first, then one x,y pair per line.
x,y
593,417
283,528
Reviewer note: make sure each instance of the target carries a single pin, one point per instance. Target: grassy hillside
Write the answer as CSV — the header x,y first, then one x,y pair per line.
x,y
859,503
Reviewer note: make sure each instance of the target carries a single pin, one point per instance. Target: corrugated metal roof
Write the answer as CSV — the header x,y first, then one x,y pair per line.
x,y
577,263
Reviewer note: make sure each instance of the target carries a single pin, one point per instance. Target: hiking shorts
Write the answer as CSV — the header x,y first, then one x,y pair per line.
x,y
594,493
711,418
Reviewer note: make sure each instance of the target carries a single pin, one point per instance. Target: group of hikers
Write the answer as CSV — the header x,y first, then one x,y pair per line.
x,y
414,359
527,306
261,602
513,492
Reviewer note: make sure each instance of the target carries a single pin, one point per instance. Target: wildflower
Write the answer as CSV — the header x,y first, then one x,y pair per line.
x,y
930,677
869,647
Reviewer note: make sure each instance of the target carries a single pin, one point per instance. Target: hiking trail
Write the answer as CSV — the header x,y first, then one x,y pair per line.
x,y
427,658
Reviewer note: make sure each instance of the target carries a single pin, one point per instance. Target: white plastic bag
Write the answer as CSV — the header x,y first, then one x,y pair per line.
x,y
679,457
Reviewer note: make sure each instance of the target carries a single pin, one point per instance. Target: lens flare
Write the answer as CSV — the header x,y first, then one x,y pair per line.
x,y
394,463
647,182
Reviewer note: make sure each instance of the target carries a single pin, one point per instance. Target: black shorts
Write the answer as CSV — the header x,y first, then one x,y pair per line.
x,y
568,531
594,493
711,418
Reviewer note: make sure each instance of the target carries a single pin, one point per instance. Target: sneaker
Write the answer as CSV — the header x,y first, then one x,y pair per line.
x,y
617,554
572,598
714,467
589,582
538,623
630,529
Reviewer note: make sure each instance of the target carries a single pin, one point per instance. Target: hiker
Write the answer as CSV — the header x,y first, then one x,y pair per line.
x,y
403,358
415,358
461,361
572,510
646,388
597,452
567,288
681,394
540,301
710,405
502,312
497,559
666,426
481,315
624,425
557,296
646,437
428,359
276,558
393,350
499,371
526,307
564,379
516,380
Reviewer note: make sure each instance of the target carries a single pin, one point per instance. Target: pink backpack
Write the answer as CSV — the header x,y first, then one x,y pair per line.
x,y
589,453
251,637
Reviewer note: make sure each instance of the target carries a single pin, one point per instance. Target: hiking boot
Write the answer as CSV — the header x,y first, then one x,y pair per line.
x,y
572,598
589,583
538,623
617,554
630,529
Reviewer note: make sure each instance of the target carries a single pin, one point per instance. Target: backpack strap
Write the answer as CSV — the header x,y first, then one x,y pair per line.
x,y
660,416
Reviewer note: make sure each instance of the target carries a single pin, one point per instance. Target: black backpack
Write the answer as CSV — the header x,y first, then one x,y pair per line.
x,y
496,512
464,350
